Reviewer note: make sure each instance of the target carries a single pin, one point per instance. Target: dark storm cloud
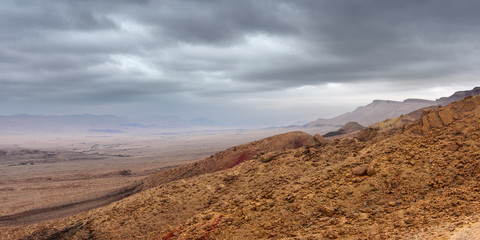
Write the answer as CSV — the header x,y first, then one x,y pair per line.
x,y
58,43
107,51
222,21
370,40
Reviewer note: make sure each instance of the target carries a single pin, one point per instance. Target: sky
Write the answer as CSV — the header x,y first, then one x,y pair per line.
x,y
249,62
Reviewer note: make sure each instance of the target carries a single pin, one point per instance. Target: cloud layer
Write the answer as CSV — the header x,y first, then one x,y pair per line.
x,y
218,58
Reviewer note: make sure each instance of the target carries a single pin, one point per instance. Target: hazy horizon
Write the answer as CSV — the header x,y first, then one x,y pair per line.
x,y
252,63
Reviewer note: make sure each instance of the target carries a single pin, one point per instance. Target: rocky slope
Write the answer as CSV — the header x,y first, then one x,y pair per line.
x,y
232,157
418,181
376,111
349,127
457,96
400,121
380,110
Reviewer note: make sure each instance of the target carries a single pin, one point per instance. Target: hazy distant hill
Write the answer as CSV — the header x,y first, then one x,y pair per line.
x,y
380,110
24,123
374,112
349,127
457,96
27,124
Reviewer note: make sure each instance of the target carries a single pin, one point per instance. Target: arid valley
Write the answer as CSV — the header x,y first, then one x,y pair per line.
x,y
239,120
410,177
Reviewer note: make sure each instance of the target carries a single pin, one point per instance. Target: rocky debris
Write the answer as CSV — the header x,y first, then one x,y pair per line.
x,y
438,118
126,172
328,211
367,134
299,153
403,122
363,170
453,147
229,178
233,157
267,157
319,139
394,204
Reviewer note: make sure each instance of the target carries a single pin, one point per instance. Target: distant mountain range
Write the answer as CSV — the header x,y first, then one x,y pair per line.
x,y
380,110
457,96
25,123
374,112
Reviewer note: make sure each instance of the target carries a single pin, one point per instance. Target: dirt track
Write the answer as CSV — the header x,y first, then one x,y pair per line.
x,y
48,213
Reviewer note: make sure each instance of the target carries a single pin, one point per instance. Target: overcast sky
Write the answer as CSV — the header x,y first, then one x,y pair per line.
x,y
250,61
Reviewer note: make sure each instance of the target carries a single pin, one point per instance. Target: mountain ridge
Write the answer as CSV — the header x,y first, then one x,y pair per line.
x,y
379,110
81,123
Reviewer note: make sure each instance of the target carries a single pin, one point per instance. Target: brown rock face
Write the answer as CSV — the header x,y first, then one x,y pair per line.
x,y
447,116
269,156
438,118
434,120
366,134
319,139
363,170
329,211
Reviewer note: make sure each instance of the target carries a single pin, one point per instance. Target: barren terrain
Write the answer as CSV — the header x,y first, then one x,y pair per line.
x,y
416,181
49,176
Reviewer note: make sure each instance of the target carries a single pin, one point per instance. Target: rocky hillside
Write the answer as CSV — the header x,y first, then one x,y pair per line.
x,y
380,110
400,121
232,157
376,111
349,127
418,181
457,96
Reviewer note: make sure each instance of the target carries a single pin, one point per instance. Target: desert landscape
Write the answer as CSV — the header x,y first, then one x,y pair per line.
x,y
47,176
50,175
414,180
239,120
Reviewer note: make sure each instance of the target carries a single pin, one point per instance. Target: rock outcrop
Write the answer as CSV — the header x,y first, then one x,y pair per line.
x,y
438,118
349,127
